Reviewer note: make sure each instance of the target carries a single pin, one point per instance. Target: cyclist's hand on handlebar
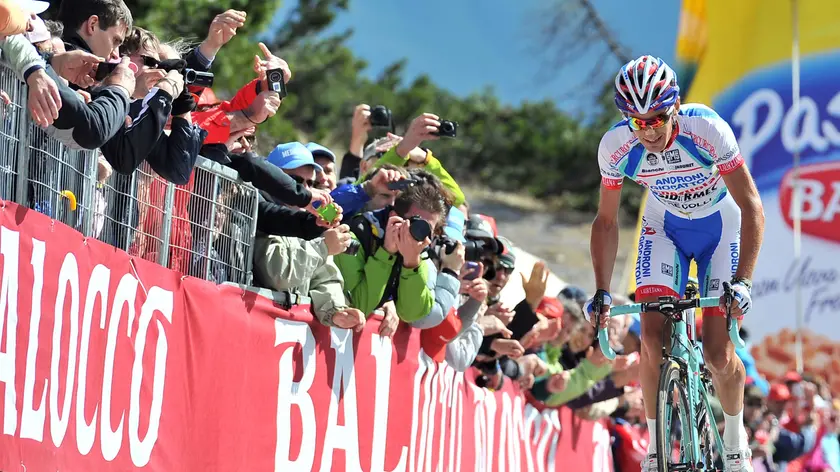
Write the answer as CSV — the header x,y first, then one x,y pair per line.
x,y
604,299
741,300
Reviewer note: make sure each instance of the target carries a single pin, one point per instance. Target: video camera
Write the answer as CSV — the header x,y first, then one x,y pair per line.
x,y
192,77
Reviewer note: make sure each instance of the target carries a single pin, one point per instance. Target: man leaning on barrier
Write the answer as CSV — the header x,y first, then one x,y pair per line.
x,y
291,264
157,94
78,124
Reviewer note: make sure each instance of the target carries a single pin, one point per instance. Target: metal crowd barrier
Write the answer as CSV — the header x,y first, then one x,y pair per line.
x,y
205,228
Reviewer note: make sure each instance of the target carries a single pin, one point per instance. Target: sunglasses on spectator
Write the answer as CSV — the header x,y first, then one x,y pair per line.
x,y
150,62
302,181
503,268
658,121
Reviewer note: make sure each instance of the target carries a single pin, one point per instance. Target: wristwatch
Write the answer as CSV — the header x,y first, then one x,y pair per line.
x,y
743,281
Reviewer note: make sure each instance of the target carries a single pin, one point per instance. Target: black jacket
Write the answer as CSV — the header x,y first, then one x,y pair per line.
x,y
262,174
88,125
142,138
280,220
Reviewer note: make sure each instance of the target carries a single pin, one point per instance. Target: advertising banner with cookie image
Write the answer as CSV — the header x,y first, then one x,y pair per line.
x,y
736,57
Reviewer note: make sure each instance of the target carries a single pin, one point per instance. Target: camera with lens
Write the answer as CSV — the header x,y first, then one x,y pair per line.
x,y
476,250
274,77
380,117
447,129
441,246
419,228
191,76
198,78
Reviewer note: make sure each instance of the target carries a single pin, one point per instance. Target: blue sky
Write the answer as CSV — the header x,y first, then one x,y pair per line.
x,y
466,45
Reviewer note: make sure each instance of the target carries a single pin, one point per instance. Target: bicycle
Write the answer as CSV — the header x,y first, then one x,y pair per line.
x,y
682,381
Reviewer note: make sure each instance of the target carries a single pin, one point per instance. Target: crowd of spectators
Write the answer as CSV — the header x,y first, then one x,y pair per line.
x,y
383,232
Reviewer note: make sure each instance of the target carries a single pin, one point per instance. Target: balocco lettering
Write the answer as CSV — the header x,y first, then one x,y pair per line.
x,y
59,388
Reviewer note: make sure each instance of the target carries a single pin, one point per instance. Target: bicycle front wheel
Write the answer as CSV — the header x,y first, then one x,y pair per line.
x,y
672,419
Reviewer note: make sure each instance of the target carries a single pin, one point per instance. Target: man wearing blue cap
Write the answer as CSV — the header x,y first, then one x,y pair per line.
x,y
326,178
306,266
296,161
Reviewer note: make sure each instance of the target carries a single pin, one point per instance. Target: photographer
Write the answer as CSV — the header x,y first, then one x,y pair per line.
x,y
159,91
389,264
252,105
407,153
352,161
372,194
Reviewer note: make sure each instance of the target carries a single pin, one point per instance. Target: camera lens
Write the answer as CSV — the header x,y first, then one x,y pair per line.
x,y
380,117
447,127
419,228
189,76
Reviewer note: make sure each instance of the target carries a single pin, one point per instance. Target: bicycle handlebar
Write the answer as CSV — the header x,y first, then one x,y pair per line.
x,y
670,306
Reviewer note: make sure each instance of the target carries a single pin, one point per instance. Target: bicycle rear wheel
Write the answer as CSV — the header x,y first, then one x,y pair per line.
x,y
672,413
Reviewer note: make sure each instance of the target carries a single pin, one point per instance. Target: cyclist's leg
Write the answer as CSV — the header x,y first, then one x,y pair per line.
x,y
660,270
715,267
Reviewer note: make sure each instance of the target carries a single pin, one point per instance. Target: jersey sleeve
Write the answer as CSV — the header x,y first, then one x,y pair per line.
x,y
724,147
611,177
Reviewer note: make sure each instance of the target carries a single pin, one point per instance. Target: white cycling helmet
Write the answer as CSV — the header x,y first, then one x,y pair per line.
x,y
644,85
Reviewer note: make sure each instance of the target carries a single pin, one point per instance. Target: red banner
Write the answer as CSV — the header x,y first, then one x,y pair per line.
x,y
108,362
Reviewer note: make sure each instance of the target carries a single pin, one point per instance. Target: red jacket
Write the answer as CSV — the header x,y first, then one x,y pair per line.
x,y
215,120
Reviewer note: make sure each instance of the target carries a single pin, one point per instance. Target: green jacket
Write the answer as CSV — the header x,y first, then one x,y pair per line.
x,y
581,379
366,278
433,166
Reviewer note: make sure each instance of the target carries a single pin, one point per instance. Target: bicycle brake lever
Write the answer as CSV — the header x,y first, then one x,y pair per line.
x,y
734,334
603,335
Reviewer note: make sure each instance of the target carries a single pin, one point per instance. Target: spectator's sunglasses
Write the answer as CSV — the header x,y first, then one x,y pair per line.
x,y
503,268
302,181
150,62
658,121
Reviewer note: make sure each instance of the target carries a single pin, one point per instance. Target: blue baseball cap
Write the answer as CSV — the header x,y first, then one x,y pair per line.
x,y
316,149
292,156
455,225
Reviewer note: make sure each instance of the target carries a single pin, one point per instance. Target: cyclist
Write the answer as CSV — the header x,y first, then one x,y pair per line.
x,y
702,205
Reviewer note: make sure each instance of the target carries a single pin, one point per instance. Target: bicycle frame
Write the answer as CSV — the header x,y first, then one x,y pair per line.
x,y
685,351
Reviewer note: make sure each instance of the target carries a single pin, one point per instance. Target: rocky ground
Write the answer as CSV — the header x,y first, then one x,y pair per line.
x,y
560,239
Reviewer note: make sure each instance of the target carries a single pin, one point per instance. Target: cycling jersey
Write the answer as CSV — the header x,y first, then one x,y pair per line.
x,y
689,213
686,176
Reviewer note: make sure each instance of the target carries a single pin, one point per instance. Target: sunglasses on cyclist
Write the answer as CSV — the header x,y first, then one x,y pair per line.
x,y
658,121
302,181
